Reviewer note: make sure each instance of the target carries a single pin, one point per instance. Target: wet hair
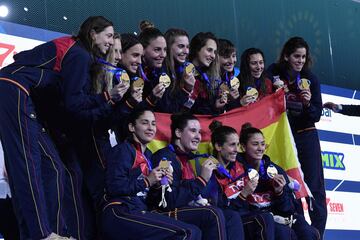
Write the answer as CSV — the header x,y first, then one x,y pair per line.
x,y
198,42
148,35
180,121
144,24
93,23
290,47
128,40
225,48
170,36
246,132
219,133
246,79
136,113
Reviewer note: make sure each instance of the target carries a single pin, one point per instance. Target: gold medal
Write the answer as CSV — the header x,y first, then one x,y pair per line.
x,y
271,171
190,68
164,164
253,174
124,78
252,92
214,160
235,83
304,84
138,84
165,80
224,89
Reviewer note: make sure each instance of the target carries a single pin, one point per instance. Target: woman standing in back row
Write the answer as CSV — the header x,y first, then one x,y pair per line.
x,y
304,106
23,137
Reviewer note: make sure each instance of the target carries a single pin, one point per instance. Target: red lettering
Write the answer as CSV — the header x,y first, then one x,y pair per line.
x,y
3,55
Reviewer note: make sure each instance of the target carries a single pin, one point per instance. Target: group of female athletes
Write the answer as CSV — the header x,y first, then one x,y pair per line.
x,y
59,100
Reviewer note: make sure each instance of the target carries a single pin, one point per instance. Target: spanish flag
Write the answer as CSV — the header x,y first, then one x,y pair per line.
x,y
267,114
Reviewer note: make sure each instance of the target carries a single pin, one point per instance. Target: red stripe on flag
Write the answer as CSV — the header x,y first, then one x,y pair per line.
x,y
260,114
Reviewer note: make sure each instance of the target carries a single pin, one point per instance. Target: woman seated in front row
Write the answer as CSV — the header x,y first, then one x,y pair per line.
x,y
184,202
129,176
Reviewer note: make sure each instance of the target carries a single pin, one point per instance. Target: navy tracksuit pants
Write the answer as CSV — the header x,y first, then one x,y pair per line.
x,y
309,153
210,220
118,223
36,174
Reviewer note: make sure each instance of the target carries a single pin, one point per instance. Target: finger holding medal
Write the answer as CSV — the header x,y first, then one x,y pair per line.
x,y
207,168
234,93
137,95
246,100
159,90
118,91
306,97
278,183
169,174
189,81
249,187
155,176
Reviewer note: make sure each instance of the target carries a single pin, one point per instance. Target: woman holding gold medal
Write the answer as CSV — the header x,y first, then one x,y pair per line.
x,y
304,107
205,97
129,177
264,189
229,73
181,72
185,201
152,70
254,84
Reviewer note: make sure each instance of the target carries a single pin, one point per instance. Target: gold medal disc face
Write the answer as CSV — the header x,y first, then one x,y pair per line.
x,y
271,171
138,83
224,89
235,83
252,92
125,77
165,80
304,84
253,174
164,164
190,68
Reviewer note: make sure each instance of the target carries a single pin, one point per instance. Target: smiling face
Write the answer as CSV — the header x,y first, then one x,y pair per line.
x,y
104,39
255,148
227,152
297,59
131,59
207,53
189,138
155,52
227,63
144,129
256,65
180,49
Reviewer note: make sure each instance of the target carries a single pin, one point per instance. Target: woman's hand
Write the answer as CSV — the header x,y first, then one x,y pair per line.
x,y
158,90
118,91
250,187
207,168
278,183
155,176
234,93
246,100
305,97
189,81
136,94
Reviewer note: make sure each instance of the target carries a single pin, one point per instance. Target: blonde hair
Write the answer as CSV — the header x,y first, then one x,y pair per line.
x,y
104,79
